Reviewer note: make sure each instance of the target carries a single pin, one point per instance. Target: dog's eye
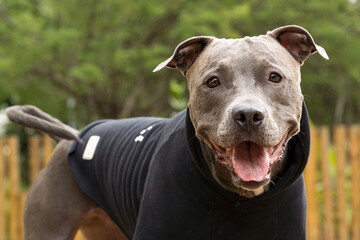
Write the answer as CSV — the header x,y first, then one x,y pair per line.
x,y
275,77
213,82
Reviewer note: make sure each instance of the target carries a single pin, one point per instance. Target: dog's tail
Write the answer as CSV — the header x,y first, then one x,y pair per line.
x,y
32,117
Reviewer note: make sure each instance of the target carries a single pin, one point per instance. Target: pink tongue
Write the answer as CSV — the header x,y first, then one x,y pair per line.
x,y
251,162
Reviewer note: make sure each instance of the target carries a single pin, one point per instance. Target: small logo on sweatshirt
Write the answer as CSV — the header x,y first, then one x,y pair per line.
x,y
91,147
141,137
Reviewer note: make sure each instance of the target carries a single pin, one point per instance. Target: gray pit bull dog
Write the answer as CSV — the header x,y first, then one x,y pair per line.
x,y
227,168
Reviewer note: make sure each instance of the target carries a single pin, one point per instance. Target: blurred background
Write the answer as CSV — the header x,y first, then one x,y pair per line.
x,y
84,60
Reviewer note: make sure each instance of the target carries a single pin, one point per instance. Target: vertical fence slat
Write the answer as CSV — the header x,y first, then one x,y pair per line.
x,y
326,180
355,179
16,214
310,181
14,173
79,236
340,141
34,157
2,192
22,208
48,146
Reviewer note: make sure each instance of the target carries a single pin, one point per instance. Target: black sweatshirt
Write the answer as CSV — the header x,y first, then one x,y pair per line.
x,y
150,176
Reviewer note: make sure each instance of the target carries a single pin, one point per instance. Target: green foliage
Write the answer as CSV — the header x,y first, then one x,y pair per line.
x,y
101,53
177,100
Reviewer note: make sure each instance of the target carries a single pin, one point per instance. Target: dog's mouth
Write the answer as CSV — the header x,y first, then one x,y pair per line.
x,y
249,161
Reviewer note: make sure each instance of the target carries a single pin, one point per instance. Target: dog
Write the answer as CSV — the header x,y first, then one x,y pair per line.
x,y
228,167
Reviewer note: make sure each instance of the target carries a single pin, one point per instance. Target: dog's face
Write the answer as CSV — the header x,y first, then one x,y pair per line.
x,y
245,101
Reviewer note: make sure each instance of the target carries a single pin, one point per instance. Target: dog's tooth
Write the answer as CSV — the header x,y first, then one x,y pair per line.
x,y
259,191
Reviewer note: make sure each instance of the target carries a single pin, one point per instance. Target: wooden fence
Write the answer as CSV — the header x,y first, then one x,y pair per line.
x,y
12,195
332,179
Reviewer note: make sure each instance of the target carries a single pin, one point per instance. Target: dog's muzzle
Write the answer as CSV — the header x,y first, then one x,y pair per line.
x,y
248,160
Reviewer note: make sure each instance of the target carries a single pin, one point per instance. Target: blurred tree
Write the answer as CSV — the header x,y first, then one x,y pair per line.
x,y
95,57
91,51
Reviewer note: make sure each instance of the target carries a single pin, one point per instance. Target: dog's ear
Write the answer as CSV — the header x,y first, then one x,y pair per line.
x,y
185,54
298,42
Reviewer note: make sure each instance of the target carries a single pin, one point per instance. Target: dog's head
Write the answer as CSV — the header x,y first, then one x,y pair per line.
x,y
245,101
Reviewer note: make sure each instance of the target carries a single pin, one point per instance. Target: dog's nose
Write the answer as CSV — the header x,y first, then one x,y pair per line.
x,y
248,116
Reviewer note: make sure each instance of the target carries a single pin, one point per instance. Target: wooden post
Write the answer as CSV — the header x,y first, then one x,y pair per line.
x,y
22,208
326,179
339,133
48,146
2,192
34,157
14,174
310,181
79,236
355,179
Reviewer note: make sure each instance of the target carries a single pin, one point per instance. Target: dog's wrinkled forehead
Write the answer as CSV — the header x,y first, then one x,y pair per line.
x,y
244,55
281,42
